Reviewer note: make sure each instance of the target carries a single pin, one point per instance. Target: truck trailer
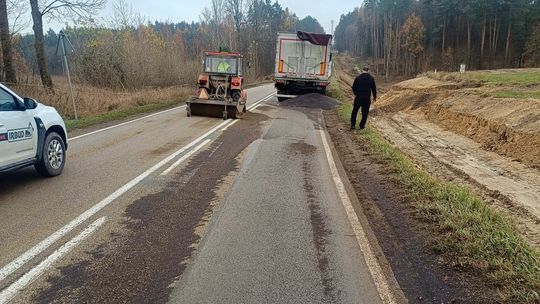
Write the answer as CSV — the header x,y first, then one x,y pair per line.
x,y
303,64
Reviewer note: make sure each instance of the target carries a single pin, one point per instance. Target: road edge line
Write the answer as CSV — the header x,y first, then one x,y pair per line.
x,y
126,123
264,99
12,290
144,117
380,280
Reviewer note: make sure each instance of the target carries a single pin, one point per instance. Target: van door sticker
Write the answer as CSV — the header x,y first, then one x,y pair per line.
x,y
20,134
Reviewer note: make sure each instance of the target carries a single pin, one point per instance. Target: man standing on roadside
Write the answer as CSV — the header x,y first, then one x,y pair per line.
x,y
364,85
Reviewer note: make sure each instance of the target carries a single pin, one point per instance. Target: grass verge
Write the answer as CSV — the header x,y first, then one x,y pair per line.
x,y
470,232
475,78
525,77
117,115
515,94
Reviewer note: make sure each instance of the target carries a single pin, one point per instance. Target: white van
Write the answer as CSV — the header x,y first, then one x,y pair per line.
x,y
30,134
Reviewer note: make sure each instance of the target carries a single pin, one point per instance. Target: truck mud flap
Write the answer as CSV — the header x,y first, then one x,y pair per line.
x,y
283,97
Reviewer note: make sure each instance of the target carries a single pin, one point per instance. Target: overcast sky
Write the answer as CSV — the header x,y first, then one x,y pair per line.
x,y
182,10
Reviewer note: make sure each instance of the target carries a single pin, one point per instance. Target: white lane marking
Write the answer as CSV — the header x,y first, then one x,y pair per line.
x,y
126,123
255,107
261,101
10,292
188,155
230,125
139,119
375,269
37,249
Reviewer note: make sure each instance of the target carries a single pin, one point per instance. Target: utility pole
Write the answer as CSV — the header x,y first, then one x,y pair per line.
x,y
332,33
62,50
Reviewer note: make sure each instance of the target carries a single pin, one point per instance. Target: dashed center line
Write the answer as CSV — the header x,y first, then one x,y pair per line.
x,y
9,293
185,157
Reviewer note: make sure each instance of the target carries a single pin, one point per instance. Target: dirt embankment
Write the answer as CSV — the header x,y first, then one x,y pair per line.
x,y
460,132
507,126
467,136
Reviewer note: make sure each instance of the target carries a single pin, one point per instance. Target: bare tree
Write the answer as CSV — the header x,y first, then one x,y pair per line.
x,y
124,16
57,9
238,10
217,13
5,38
17,16
213,16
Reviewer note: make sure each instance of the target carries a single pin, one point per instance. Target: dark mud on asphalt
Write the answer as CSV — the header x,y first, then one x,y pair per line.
x,y
311,101
141,265
406,242
320,235
318,221
312,105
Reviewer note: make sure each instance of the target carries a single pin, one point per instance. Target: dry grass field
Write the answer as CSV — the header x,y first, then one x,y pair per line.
x,y
93,101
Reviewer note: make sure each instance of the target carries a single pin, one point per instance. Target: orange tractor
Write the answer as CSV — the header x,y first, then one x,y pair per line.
x,y
221,87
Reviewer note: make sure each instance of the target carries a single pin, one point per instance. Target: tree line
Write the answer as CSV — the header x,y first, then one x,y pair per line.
x,y
129,52
407,36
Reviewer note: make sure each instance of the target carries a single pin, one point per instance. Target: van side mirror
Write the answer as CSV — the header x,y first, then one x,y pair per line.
x,y
30,103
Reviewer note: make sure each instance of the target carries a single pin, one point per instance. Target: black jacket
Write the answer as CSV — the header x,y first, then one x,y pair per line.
x,y
364,85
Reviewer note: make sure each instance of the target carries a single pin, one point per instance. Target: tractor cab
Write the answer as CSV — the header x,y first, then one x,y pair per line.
x,y
223,63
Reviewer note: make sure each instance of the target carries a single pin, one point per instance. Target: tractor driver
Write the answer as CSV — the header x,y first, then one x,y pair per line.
x,y
224,66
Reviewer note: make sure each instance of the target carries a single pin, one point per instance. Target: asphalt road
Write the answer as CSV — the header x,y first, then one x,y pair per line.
x,y
250,214
281,234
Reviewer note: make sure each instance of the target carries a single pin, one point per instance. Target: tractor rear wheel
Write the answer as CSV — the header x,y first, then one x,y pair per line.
x,y
236,95
234,113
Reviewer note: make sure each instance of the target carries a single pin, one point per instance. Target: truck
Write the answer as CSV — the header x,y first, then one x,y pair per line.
x,y
30,134
303,64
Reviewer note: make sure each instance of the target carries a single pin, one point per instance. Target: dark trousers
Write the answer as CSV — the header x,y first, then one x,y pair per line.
x,y
364,104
